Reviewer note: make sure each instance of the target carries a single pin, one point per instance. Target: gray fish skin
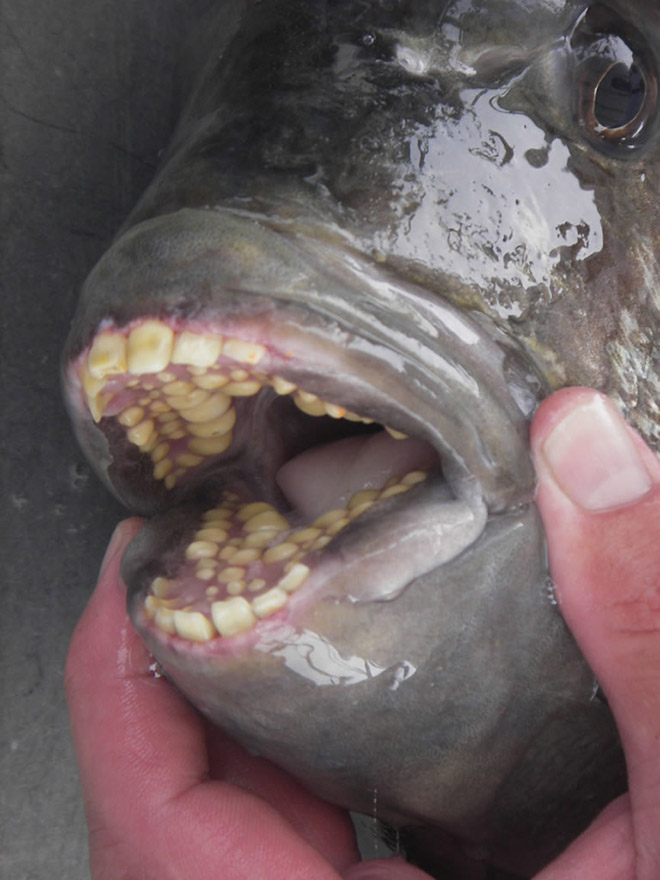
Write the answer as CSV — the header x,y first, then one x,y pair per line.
x,y
453,204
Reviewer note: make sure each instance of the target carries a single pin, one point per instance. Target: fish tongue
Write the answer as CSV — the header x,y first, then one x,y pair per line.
x,y
326,476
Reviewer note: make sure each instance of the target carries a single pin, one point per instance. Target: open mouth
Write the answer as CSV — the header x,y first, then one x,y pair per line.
x,y
290,453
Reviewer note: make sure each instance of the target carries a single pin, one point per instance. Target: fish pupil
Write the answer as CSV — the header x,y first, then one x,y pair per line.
x,y
619,96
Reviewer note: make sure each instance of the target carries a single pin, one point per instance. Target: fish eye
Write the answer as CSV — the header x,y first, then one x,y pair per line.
x,y
617,89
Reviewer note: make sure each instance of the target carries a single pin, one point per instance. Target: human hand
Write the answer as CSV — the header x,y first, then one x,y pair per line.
x,y
169,797
599,498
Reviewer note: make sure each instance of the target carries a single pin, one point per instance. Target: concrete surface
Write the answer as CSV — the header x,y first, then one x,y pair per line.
x,y
86,106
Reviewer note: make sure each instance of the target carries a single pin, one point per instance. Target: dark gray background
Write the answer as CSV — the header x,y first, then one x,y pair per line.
x,y
87,103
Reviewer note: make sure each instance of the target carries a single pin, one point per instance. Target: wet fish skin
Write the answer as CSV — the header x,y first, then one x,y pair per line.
x,y
445,146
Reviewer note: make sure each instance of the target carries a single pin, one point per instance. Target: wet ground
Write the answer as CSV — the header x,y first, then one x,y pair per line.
x,y
87,103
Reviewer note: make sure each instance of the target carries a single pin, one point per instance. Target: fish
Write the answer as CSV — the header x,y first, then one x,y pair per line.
x,y
383,231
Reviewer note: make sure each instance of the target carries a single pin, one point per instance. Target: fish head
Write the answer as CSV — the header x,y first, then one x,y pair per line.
x,y
382,233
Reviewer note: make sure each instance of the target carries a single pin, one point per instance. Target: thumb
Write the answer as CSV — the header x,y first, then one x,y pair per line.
x,y
599,497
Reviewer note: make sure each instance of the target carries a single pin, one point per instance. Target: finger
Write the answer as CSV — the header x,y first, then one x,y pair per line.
x,y
599,497
144,765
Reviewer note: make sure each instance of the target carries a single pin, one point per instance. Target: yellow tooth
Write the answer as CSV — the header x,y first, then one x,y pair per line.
x,y
257,584
216,405
362,496
245,352
335,412
321,542
188,460
168,416
303,535
361,508
210,445
164,620
245,556
215,428
107,355
169,429
329,517
242,389
337,526
227,553
279,552
149,347
204,574
211,592
140,434
97,405
314,407
269,602
198,349
170,481
239,375
193,625
160,452
166,377
397,489
131,416
182,402
260,539
162,469
268,519
414,477
294,579
235,588
91,385
159,407
177,388
161,587
247,511
211,382
218,513
282,386
231,574
219,536
177,435
232,616
201,549
152,604
398,435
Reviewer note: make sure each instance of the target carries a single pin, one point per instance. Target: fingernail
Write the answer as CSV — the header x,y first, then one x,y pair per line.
x,y
593,459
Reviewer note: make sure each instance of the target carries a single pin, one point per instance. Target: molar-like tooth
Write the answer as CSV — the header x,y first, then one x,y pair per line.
x,y
268,519
337,526
204,574
279,552
169,429
162,469
329,517
252,508
397,435
257,584
269,602
140,434
304,535
282,386
361,508
227,553
211,592
232,616
414,477
218,513
360,497
197,349
397,489
335,412
149,347
159,453
219,536
245,556
159,408
239,375
200,549
215,406
232,573
260,539
210,445
194,626
170,481
321,542
211,381
186,459
164,620
166,377
183,402
294,579
314,407
216,427
131,416
235,588
242,389
168,416
178,388
107,356
245,352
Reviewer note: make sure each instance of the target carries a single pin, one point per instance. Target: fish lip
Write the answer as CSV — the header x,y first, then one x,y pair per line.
x,y
203,264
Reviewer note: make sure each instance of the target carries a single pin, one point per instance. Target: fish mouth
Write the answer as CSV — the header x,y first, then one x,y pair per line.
x,y
290,447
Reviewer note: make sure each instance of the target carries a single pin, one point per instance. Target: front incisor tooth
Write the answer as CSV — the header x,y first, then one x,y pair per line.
x,y
194,626
269,602
196,349
107,356
244,352
149,347
164,620
232,616
294,579
282,386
